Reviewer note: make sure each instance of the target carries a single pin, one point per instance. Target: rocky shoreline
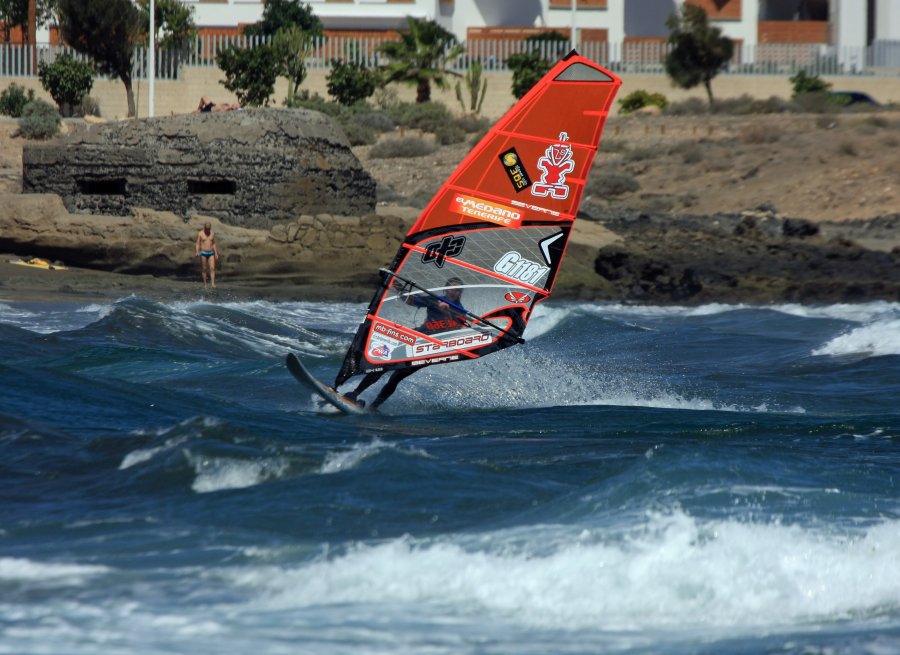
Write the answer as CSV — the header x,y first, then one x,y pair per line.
x,y
625,247
745,259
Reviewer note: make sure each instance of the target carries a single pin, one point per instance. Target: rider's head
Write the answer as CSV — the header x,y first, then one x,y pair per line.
x,y
454,289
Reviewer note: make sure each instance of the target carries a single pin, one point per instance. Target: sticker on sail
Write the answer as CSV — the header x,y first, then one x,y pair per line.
x,y
517,174
555,165
493,212
514,266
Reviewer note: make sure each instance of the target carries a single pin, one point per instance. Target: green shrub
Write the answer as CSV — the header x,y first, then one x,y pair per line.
x,y
377,120
425,116
67,80
643,153
639,99
250,73
449,134
803,83
688,107
315,102
407,146
613,145
606,184
13,100
359,134
746,105
88,107
40,120
348,83
817,102
469,123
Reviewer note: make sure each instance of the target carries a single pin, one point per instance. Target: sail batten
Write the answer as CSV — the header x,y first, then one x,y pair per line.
x,y
494,235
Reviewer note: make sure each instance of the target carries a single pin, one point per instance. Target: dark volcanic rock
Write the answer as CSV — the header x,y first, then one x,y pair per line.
x,y
249,167
667,259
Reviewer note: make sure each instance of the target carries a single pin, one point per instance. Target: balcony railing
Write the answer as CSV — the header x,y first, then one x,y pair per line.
x,y
644,57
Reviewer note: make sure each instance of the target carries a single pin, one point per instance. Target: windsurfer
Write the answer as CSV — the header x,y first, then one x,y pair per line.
x,y
441,314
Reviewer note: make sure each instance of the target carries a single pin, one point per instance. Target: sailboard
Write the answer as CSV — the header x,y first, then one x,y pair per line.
x,y
497,229
329,395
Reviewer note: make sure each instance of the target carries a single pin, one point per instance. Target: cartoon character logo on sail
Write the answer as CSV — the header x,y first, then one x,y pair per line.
x,y
555,165
438,251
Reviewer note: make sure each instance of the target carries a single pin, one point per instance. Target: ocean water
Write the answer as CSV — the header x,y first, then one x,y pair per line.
x,y
717,479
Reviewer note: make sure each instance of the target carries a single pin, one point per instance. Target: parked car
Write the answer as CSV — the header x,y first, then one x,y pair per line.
x,y
846,98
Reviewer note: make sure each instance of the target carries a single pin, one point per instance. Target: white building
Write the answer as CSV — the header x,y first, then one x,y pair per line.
x,y
842,23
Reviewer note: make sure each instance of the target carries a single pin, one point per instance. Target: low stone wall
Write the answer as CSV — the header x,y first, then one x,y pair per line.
x,y
248,167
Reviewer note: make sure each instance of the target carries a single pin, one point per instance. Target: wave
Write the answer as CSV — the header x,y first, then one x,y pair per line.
x,y
673,572
22,570
875,340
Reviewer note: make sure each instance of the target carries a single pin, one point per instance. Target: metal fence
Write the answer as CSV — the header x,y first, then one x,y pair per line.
x,y
629,57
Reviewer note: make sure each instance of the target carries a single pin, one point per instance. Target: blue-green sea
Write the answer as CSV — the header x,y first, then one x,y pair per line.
x,y
718,479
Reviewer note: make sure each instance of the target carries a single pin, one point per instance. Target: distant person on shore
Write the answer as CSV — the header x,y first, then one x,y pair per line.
x,y
208,253
206,105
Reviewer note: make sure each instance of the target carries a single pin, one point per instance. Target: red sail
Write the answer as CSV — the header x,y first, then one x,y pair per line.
x,y
497,229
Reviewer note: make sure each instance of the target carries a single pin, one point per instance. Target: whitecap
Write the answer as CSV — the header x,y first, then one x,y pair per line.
x,y
876,339
221,473
672,572
14,568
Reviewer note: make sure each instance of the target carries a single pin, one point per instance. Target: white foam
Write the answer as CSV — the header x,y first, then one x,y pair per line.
x,y
673,572
656,311
857,313
13,568
873,340
221,473
544,319
335,462
569,385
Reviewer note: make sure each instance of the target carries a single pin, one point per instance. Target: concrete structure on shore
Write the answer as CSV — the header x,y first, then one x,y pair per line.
x,y
249,168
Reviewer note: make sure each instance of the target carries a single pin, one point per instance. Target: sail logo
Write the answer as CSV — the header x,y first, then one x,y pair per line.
x,y
437,252
492,212
555,165
458,343
382,352
517,174
517,297
514,266
394,333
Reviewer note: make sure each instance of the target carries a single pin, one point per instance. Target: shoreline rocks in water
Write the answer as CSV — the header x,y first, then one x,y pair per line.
x,y
695,260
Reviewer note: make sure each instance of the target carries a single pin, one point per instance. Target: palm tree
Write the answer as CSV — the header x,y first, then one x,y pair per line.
x,y
421,56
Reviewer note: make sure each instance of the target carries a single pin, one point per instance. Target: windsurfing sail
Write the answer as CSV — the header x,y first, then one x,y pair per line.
x,y
489,245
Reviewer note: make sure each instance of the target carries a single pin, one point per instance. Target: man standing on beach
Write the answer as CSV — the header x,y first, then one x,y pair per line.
x,y
207,252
